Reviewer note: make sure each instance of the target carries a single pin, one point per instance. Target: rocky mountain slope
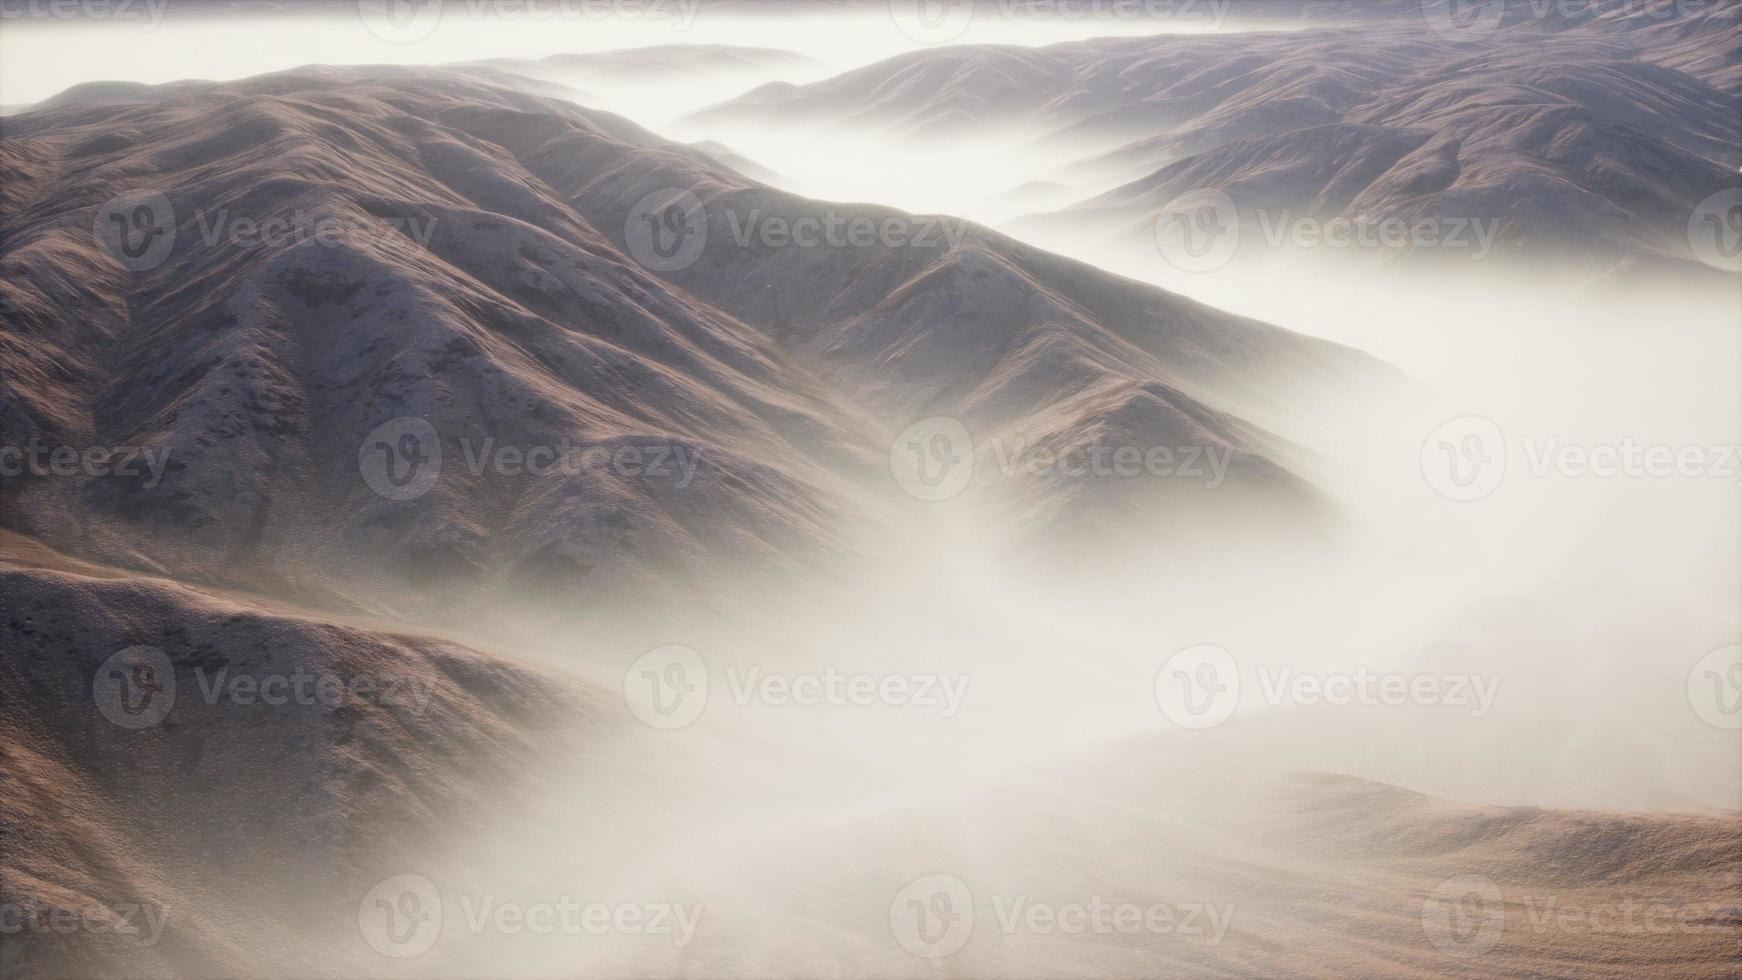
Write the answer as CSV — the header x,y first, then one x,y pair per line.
x,y
358,287
1596,134
162,745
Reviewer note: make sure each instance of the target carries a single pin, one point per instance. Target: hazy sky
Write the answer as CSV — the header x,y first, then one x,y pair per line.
x,y
41,55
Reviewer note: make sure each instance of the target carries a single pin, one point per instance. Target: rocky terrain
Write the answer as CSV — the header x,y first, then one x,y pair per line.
x,y
362,430
1593,136
154,770
476,291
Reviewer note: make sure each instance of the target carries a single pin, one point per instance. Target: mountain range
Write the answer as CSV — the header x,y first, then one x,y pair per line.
x,y
1595,137
480,280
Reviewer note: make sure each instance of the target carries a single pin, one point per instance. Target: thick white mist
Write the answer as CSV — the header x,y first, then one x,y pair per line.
x,y
1060,777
